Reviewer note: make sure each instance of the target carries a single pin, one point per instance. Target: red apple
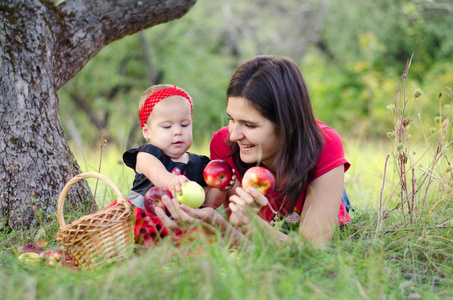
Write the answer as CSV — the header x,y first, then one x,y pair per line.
x,y
59,254
68,262
153,198
34,247
260,178
45,254
218,174
51,262
176,171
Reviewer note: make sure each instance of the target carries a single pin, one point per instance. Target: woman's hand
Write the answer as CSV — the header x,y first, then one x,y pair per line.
x,y
183,217
244,206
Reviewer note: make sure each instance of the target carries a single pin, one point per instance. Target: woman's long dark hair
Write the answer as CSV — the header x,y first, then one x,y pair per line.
x,y
275,87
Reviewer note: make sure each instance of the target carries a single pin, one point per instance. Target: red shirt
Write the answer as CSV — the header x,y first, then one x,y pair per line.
x,y
331,156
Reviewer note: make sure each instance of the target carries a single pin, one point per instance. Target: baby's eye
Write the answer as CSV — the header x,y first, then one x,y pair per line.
x,y
166,126
184,125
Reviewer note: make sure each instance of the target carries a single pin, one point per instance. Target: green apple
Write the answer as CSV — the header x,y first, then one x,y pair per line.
x,y
192,194
30,258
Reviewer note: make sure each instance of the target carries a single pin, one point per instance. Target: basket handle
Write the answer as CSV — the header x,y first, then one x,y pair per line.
x,y
78,178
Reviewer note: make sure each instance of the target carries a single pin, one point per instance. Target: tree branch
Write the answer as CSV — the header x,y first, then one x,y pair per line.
x,y
86,26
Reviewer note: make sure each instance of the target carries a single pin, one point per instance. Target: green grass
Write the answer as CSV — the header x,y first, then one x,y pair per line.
x,y
400,260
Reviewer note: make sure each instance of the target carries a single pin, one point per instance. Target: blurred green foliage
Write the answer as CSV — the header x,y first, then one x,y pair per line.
x,y
352,55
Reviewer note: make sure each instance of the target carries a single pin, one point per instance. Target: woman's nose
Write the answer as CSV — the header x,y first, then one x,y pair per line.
x,y
235,132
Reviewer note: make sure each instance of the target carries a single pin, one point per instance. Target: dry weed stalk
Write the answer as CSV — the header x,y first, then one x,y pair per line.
x,y
415,180
93,206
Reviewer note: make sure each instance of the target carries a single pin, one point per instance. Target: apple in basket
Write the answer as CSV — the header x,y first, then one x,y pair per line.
x,y
218,174
153,198
260,178
192,194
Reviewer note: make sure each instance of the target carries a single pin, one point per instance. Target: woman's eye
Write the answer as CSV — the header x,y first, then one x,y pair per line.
x,y
250,126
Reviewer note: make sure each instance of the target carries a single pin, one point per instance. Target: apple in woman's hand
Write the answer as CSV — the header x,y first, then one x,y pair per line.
x,y
153,199
192,194
259,178
218,174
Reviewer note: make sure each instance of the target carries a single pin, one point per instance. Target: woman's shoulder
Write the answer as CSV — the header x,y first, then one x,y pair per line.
x,y
218,147
221,134
332,153
329,133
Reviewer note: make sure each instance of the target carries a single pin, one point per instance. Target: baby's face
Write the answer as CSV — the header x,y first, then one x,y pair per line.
x,y
169,126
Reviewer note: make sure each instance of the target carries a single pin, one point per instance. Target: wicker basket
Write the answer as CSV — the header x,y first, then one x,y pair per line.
x,y
99,238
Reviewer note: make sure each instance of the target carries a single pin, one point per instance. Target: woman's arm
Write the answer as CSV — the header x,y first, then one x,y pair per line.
x,y
319,215
216,197
184,217
246,220
320,212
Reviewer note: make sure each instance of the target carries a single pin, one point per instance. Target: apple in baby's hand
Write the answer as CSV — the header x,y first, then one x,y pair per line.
x,y
153,199
218,174
192,194
260,178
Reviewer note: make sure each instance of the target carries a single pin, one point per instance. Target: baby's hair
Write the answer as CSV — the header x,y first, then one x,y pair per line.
x,y
151,90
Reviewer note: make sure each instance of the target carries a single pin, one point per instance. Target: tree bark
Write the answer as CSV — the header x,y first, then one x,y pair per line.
x,y
42,46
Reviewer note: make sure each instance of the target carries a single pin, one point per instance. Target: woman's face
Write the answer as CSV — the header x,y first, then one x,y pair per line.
x,y
254,134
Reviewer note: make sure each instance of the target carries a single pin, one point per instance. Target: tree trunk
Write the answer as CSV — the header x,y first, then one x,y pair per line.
x,y
42,46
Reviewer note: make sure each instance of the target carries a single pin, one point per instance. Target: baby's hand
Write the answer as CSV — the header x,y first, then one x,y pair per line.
x,y
174,185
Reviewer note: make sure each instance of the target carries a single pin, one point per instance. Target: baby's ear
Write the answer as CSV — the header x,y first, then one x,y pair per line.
x,y
145,132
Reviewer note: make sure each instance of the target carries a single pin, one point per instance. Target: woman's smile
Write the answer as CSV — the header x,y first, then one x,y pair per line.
x,y
246,146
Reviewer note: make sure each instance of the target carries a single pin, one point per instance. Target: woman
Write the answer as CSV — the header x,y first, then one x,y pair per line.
x,y
271,123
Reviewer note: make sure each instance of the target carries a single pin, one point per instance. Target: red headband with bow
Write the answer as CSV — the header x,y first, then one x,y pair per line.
x,y
154,98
